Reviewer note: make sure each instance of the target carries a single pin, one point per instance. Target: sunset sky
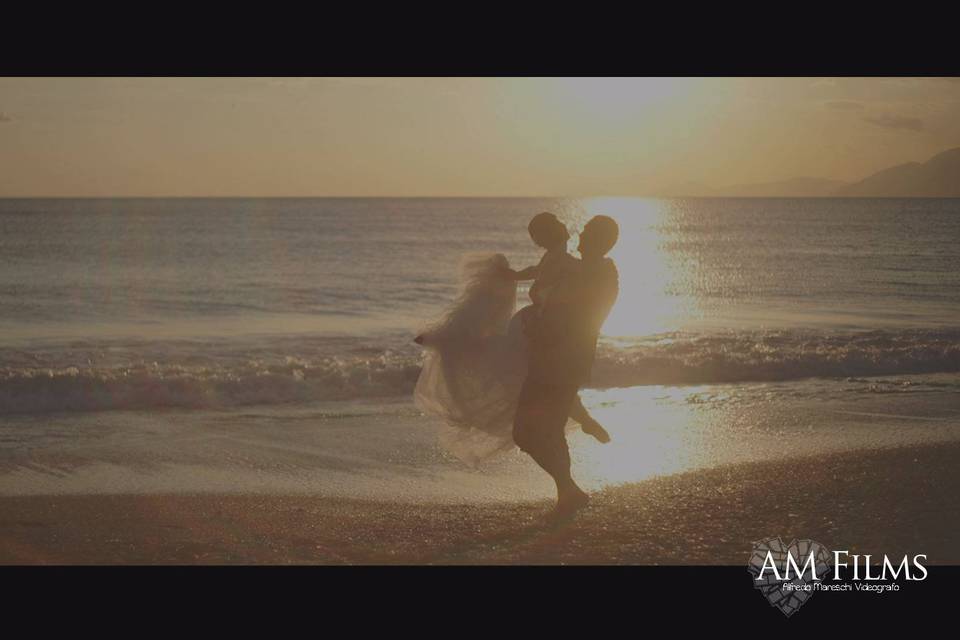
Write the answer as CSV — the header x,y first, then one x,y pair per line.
x,y
457,136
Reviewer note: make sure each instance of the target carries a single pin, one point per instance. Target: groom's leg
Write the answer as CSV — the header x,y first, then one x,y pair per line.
x,y
538,427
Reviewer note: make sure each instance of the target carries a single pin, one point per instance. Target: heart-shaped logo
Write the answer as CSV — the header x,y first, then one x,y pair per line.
x,y
782,582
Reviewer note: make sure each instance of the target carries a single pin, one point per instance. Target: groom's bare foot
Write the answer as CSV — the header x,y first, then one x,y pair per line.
x,y
569,504
594,429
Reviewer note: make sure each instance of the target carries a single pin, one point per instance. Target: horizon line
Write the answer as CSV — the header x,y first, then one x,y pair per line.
x,y
466,197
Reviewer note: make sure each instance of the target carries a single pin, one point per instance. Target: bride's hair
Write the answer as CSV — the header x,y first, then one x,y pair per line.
x,y
485,303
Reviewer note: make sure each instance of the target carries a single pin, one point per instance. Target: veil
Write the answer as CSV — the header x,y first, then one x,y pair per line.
x,y
475,362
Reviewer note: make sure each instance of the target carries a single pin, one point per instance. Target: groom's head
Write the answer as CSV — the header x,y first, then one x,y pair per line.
x,y
598,237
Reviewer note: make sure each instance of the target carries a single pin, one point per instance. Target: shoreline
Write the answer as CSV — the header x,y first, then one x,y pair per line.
x,y
903,500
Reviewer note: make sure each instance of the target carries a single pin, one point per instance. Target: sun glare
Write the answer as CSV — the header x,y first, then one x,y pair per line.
x,y
647,270
620,97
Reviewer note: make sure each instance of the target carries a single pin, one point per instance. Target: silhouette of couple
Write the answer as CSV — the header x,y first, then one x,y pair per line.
x,y
500,379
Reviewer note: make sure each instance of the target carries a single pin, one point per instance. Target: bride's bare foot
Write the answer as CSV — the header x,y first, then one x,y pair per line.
x,y
593,428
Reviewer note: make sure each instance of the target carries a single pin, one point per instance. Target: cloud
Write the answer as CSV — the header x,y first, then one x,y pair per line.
x,y
5,118
891,121
844,105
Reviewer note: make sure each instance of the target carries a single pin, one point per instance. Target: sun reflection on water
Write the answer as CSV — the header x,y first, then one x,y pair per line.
x,y
655,431
650,274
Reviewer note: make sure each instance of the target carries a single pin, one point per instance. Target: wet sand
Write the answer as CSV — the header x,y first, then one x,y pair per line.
x,y
893,501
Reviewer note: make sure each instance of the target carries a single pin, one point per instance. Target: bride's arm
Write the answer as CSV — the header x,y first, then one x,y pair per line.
x,y
530,273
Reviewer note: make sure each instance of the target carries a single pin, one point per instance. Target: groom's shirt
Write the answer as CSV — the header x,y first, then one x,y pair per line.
x,y
564,344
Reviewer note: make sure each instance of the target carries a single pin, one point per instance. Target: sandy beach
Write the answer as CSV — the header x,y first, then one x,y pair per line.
x,y
893,501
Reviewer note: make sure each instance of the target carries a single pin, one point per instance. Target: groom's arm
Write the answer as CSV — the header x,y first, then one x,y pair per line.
x,y
561,308
568,290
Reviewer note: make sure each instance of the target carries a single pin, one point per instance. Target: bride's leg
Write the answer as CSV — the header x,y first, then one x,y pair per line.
x,y
578,412
580,415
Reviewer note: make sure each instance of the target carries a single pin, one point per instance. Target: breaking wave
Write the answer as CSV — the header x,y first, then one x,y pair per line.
x,y
195,382
776,356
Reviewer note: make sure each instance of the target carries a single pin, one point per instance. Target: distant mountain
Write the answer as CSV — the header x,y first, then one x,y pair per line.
x,y
687,190
793,188
938,177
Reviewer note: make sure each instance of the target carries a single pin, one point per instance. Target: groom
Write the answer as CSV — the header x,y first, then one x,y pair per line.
x,y
563,344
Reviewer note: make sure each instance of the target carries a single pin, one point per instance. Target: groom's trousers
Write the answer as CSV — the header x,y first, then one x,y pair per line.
x,y
538,426
561,350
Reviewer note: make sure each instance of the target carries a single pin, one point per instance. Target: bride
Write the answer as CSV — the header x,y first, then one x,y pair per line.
x,y
476,358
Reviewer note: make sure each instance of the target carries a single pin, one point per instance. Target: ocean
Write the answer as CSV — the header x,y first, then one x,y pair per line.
x,y
266,344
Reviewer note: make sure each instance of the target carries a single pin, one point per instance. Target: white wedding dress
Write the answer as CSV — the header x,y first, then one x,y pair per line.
x,y
475,364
